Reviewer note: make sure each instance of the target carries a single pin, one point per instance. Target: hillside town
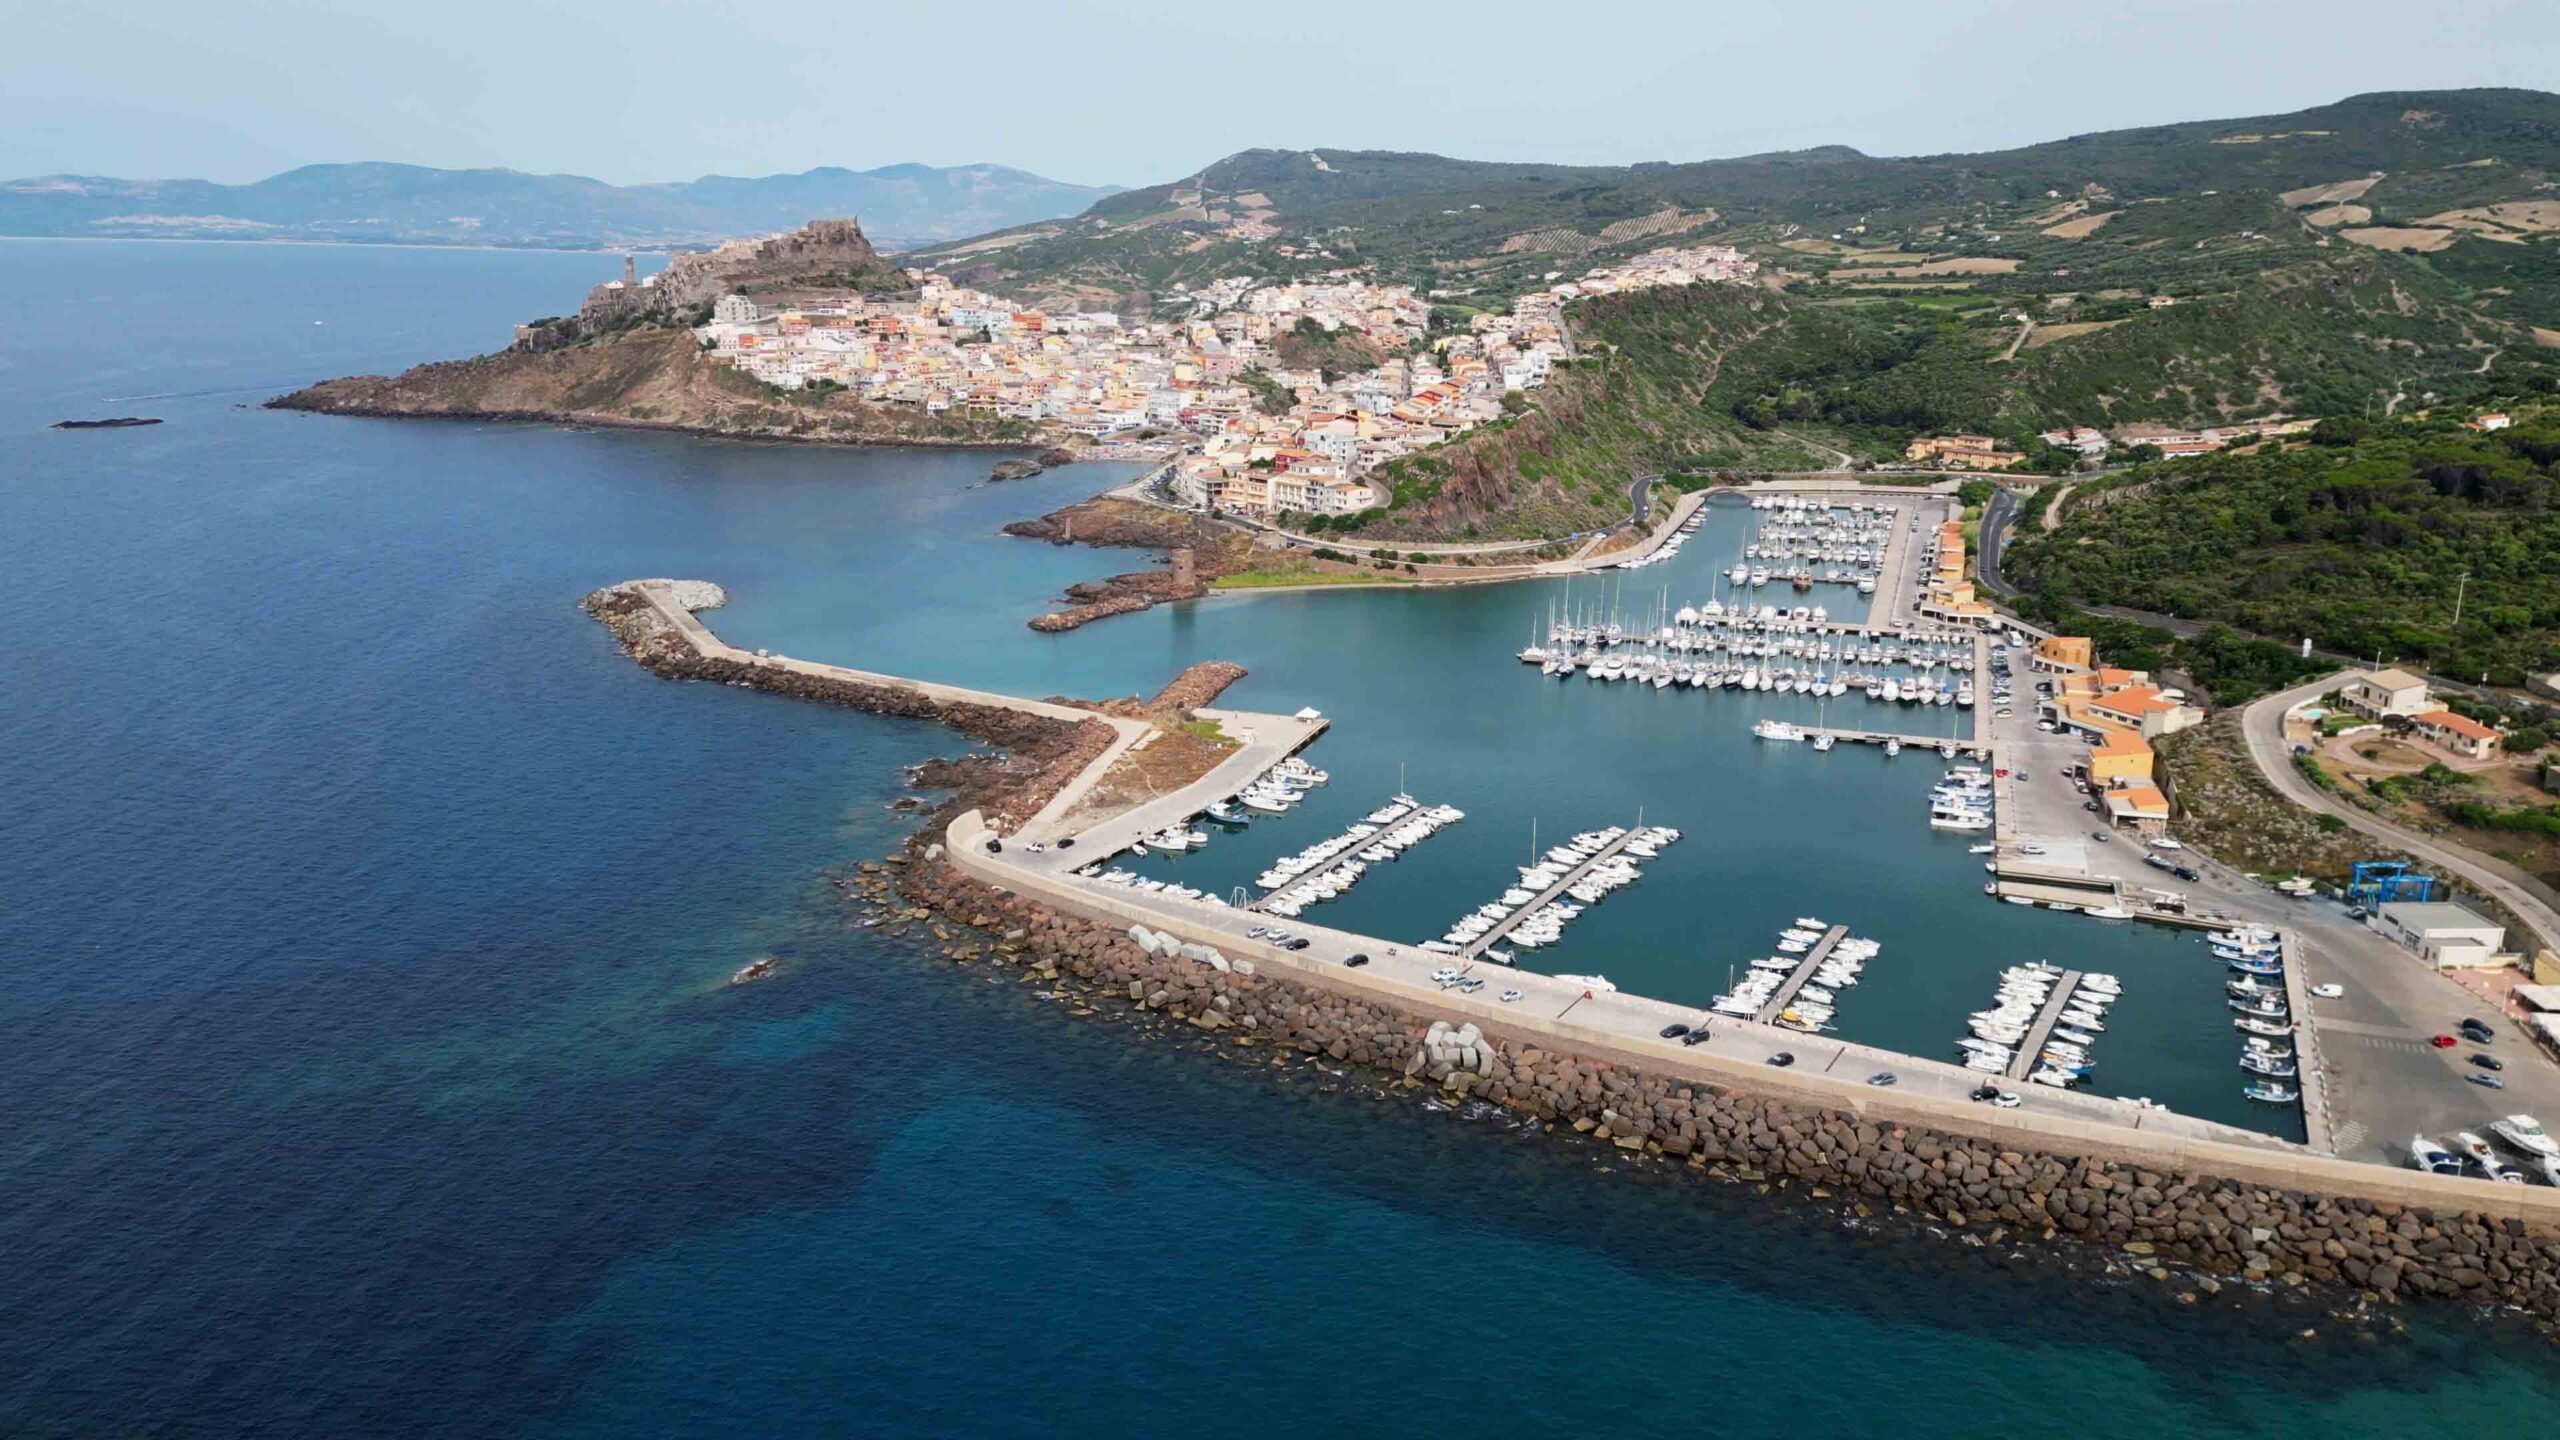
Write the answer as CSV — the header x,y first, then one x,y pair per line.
x,y
1273,438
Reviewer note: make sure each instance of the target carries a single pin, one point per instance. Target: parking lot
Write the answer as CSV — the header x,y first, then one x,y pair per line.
x,y
2384,1081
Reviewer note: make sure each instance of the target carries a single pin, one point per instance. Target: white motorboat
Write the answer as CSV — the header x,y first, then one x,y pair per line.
x,y
2526,1134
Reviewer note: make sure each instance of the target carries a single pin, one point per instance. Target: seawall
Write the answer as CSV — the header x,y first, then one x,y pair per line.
x,y
2276,1216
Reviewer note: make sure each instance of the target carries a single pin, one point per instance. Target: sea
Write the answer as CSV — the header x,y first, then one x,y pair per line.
x,y
370,1068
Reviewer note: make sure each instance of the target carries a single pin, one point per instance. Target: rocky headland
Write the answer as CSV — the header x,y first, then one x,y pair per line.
x,y
118,422
629,359
1214,550
646,378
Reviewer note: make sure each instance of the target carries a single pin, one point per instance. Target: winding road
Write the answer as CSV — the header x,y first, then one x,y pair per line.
x,y
2262,724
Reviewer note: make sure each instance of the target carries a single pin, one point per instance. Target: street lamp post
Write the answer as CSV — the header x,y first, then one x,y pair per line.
x,y
2459,582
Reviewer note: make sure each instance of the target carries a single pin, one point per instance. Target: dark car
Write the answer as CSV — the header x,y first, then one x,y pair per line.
x,y
2189,872
2488,1062
1067,844
1882,1078
1985,1094
994,846
1695,1037
2102,837
1355,961
1674,1031
1294,942
1783,1059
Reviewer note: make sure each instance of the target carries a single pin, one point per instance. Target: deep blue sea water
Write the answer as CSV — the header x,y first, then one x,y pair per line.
x,y
368,1069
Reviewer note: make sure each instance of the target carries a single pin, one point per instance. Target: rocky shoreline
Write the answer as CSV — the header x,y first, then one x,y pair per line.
x,y
1127,524
2186,1227
1041,755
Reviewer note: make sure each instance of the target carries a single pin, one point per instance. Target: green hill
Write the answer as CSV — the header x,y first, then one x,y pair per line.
x,y
2191,205
2359,540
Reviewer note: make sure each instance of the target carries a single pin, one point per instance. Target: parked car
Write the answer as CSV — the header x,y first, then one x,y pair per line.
x,y
2102,837
2487,1082
1695,1037
2442,1042
1783,1059
1355,960
1881,1079
1674,1031
2488,1062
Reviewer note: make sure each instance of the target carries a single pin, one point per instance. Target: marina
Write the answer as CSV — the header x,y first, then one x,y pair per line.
x,y
1803,974
1595,861
1765,825
1323,872
2040,1034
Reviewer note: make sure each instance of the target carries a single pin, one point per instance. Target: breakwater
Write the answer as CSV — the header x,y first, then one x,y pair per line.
x,y
1047,744
2151,1216
2386,1233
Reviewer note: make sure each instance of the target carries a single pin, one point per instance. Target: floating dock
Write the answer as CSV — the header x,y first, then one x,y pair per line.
x,y
1786,994
1476,947
1349,854
2042,1030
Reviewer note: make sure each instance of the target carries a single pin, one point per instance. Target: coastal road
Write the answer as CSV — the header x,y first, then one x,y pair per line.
x,y
2262,724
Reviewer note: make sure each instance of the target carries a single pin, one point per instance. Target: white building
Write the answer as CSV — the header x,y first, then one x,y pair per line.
x,y
2388,692
735,310
2445,935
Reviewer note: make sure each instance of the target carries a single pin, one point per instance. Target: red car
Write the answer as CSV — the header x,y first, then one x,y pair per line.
x,y
2443,1042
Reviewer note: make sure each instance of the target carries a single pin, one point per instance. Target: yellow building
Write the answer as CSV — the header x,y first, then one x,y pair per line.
x,y
2069,652
2120,756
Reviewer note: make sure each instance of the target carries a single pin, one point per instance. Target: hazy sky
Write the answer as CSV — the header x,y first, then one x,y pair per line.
x,y
1135,91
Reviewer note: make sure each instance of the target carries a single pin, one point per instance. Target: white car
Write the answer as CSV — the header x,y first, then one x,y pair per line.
x,y
2328,992
2163,842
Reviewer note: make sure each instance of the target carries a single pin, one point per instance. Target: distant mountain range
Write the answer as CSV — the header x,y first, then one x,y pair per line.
x,y
900,205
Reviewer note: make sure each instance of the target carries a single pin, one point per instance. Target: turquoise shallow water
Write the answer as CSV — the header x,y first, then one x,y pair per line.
x,y
370,1071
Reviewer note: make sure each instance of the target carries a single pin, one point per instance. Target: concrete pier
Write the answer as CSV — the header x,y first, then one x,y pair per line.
x,y
1349,854
1929,743
1572,877
2042,1030
2309,1077
1786,993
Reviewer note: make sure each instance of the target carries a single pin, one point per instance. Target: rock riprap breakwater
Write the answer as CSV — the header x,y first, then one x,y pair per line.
x,y
1042,753
2148,1219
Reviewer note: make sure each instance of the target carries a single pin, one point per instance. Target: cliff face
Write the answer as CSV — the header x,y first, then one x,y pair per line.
x,y
832,254
644,377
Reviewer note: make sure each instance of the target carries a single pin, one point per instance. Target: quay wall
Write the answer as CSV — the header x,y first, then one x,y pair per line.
x,y
2222,1209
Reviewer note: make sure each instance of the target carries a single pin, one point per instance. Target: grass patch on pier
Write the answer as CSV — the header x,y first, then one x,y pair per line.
x,y
1293,573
